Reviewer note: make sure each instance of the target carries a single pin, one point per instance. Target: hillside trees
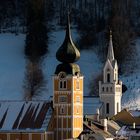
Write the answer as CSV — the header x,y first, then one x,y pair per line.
x,y
49,10
36,38
90,17
92,20
122,31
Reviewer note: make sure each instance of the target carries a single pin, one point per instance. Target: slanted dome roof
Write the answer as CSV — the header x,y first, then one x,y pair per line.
x,y
70,68
68,53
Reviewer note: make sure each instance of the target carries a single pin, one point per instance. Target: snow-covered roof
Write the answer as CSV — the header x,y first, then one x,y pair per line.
x,y
129,131
127,117
135,113
24,115
91,104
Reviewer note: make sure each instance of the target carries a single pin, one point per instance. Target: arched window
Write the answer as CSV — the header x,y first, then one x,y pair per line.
x,y
77,110
77,99
62,84
62,110
106,89
107,108
77,85
110,89
108,77
63,99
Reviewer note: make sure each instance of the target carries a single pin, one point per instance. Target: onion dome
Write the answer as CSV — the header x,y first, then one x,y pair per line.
x,y
68,53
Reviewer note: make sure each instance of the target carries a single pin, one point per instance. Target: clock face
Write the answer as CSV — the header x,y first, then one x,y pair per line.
x,y
108,70
62,75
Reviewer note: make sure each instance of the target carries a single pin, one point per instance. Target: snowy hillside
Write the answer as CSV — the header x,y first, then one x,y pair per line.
x,y
12,66
13,63
131,98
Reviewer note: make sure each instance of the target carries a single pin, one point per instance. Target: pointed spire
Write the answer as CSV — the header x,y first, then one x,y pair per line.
x,y
68,32
68,53
110,54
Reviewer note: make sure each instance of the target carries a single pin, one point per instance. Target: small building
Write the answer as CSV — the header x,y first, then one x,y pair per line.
x,y
129,132
130,122
127,117
94,130
26,120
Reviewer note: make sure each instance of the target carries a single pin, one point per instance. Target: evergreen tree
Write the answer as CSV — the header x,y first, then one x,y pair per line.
x,y
36,39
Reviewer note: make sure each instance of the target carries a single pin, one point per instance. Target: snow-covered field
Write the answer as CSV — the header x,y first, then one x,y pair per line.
x,y
12,66
131,98
13,63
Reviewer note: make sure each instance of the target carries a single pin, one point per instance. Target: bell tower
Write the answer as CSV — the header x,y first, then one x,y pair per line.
x,y
68,91
110,89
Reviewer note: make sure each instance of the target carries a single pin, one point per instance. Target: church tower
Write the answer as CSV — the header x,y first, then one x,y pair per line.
x,y
110,89
68,91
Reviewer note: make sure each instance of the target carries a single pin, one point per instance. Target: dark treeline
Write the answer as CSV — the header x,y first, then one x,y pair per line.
x,y
95,12
36,46
36,30
92,18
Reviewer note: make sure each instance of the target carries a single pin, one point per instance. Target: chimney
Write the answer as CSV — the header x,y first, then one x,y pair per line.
x,y
85,118
104,123
134,125
97,115
89,123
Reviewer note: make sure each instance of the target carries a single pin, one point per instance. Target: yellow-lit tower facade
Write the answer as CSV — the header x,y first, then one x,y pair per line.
x,y
68,91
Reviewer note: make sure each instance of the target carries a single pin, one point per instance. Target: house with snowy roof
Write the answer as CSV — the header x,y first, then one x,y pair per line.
x,y
63,117
26,120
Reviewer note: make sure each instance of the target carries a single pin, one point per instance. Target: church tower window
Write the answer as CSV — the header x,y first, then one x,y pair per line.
x,y
107,89
62,99
78,99
110,89
77,85
63,84
62,81
108,77
107,108
62,110
77,110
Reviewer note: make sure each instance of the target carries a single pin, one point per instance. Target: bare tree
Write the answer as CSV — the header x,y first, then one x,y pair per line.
x,y
34,82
